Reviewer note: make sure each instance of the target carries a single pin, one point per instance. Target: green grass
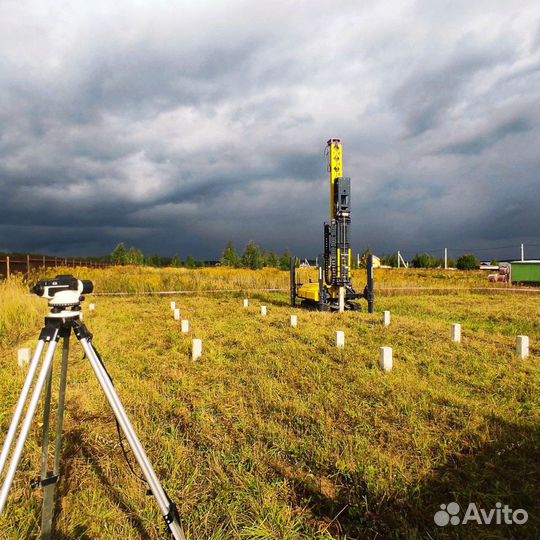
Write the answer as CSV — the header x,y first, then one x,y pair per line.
x,y
275,433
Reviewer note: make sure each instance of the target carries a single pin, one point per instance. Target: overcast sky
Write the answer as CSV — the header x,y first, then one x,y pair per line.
x,y
176,126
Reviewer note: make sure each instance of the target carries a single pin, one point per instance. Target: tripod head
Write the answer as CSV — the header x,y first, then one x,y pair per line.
x,y
63,291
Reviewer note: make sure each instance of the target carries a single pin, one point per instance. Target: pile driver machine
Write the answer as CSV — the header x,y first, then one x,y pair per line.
x,y
334,290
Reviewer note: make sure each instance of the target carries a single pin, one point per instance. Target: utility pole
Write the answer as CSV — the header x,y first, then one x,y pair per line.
x,y
401,260
446,258
522,253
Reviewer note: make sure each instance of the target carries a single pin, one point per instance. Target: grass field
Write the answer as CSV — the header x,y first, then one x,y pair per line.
x,y
147,279
275,433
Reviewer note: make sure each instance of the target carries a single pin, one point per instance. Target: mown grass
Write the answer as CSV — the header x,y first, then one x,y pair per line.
x,y
275,433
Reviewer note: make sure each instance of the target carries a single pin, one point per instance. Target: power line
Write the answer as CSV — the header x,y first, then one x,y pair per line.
x,y
441,249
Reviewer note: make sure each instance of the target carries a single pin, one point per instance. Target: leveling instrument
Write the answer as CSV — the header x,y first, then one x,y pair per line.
x,y
64,295
334,289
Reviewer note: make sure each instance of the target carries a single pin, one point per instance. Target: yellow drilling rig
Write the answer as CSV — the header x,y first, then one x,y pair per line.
x,y
334,290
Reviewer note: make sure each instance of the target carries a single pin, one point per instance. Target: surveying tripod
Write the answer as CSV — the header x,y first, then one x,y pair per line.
x,y
64,294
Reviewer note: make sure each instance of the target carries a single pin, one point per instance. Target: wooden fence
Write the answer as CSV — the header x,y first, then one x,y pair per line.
x,y
22,264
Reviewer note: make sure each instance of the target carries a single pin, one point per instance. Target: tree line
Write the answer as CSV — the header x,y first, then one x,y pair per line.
x,y
426,260
252,257
123,255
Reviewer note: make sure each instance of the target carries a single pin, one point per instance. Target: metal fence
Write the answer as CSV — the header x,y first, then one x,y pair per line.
x,y
24,264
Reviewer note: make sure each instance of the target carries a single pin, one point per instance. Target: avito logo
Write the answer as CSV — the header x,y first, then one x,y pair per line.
x,y
449,514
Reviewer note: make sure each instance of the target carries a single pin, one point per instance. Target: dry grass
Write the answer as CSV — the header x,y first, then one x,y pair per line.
x,y
275,433
20,313
146,279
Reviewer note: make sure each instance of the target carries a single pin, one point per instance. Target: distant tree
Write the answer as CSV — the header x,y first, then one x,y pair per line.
x,y
364,257
251,258
230,256
424,260
285,260
451,263
390,260
265,257
135,256
273,260
468,262
153,260
494,262
190,262
176,261
119,254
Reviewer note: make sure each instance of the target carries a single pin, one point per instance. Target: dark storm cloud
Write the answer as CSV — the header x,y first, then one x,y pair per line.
x,y
486,137
430,91
178,129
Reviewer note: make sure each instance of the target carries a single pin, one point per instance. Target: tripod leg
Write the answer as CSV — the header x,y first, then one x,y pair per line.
x,y
166,506
20,404
49,479
46,422
4,492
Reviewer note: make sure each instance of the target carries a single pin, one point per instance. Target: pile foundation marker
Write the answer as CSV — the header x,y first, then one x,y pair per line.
x,y
196,349
522,346
385,361
23,357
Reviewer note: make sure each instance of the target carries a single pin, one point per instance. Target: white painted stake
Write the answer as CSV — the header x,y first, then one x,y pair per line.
x,y
246,303
263,311
385,361
294,321
456,333
23,357
185,326
176,314
341,299
91,307
522,346
173,306
340,338
386,318
196,350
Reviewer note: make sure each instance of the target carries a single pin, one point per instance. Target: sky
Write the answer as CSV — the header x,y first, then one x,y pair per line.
x,y
177,126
